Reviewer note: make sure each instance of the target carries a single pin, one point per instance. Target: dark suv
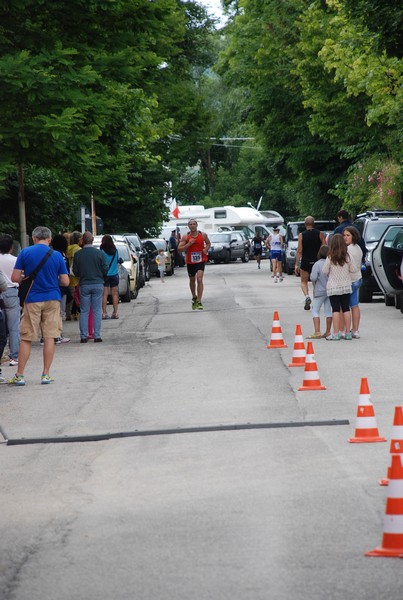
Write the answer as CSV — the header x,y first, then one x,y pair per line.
x,y
228,245
372,225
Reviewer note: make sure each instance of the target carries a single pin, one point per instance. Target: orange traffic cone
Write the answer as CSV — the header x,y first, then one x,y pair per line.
x,y
366,429
276,340
396,443
311,379
298,353
392,541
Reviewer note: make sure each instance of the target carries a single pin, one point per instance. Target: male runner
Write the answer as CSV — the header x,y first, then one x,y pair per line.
x,y
196,245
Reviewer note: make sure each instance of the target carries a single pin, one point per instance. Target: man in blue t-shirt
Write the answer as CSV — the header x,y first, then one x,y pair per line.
x,y
42,304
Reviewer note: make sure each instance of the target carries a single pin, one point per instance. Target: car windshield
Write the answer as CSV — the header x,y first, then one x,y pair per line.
x,y
375,230
294,229
160,244
220,237
134,240
123,252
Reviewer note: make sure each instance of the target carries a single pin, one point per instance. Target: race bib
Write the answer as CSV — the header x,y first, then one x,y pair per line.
x,y
196,257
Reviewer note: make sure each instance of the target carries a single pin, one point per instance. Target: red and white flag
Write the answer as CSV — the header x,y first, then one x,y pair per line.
x,y
175,209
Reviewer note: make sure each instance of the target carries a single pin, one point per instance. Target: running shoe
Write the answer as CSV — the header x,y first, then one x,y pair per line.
x,y
348,336
281,279
46,378
275,280
355,335
17,380
333,337
307,305
13,362
343,335
62,340
199,306
194,303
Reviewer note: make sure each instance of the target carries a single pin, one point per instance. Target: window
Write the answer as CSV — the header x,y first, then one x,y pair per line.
x,y
220,214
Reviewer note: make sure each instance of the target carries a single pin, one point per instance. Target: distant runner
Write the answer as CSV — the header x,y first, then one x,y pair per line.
x,y
257,248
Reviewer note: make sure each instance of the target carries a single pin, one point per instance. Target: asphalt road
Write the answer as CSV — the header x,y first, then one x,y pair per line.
x,y
217,512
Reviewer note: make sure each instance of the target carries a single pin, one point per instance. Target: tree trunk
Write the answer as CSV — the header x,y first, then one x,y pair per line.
x,y
21,207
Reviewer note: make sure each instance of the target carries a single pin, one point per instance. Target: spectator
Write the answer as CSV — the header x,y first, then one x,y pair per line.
x,y
42,304
351,237
110,252
339,266
12,309
59,243
76,242
90,266
3,337
161,260
309,242
320,297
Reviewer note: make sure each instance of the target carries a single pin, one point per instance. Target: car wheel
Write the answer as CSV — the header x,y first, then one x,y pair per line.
x,y
245,258
147,275
216,261
389,300
134,293
289,269
127,297
171,270
227,257
398,301
364,294
142,280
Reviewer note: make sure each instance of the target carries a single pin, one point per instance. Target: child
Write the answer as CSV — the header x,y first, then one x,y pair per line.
x,y
338,266
320,297
161,261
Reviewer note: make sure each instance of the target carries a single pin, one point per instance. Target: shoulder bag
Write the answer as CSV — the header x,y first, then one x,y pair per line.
x,y
26,283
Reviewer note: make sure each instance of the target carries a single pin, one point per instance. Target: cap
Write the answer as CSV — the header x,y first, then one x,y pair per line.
x,y
276,228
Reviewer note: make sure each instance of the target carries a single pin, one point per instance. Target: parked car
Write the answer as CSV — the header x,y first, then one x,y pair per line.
x,y
227,246
387,259
152,247
293,229
372,225
128,260
144,266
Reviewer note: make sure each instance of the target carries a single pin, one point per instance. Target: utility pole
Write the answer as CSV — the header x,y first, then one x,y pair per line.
x,y
21,207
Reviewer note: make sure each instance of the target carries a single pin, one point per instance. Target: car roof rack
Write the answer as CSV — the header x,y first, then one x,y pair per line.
x,y
381,213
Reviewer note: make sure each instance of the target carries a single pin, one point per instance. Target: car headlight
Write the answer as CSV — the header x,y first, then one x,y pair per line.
x,y
219,248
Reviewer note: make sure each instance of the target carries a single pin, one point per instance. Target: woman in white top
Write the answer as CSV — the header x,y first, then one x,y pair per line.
x,y
338,265
351,237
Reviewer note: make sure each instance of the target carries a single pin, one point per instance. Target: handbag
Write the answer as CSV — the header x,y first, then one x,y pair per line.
x,y
26,283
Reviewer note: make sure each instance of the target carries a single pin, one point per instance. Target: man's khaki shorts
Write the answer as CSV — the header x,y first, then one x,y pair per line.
x,y
42,318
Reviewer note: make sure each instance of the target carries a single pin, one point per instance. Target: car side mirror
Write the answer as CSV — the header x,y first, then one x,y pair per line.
x,y
120,260
233,241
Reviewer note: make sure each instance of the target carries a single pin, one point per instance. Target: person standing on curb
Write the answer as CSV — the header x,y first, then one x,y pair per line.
x,y
12,309
42,303
91,267
196,245
309,242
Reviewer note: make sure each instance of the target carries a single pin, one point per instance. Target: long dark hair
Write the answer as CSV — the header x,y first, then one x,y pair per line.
x,y
338,250
107,245
59,243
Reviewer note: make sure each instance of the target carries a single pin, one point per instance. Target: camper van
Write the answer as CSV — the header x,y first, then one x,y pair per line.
x,y
221,218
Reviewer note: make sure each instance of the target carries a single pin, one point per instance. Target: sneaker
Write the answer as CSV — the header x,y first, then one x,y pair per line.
x,y
342,335
258,266
46,378
97,340
275,280
308,303
355,335
348,336
17,380
333,337
3,379
194,303
13,362
83,340
199,306
281,279
62,340
272,275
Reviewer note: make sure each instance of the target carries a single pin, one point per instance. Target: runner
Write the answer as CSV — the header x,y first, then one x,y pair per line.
x,y
257,248
275,242
309,242
196,245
